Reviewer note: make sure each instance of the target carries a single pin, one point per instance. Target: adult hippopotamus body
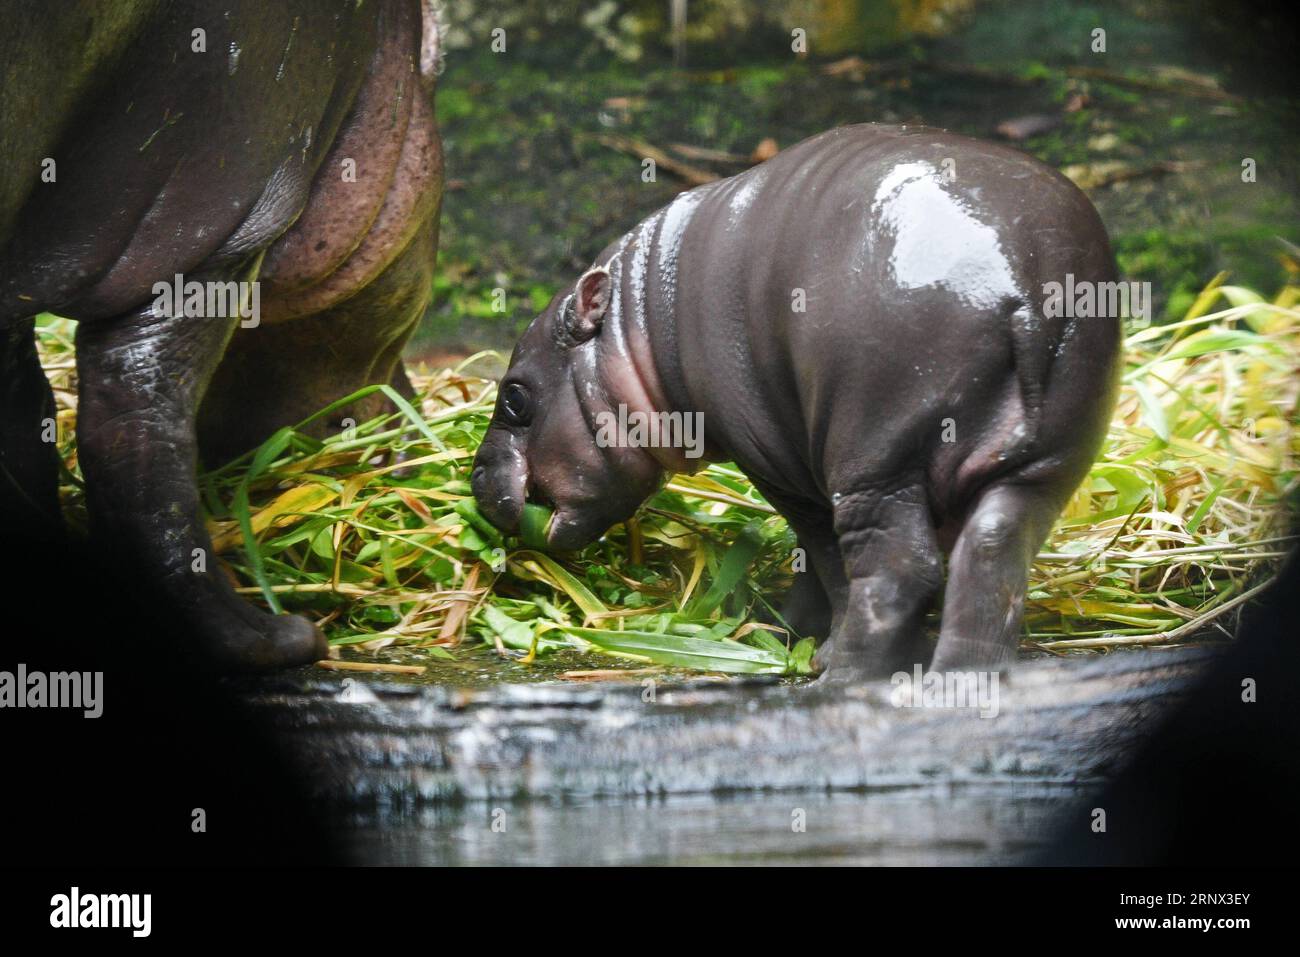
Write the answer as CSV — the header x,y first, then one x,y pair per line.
x,y
863,323
291,144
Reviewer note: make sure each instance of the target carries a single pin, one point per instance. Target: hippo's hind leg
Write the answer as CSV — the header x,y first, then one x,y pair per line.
x,y
29,464
988,573
142,378
894,571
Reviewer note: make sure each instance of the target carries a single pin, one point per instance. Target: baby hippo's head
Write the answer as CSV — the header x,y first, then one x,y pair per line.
x,y
542,445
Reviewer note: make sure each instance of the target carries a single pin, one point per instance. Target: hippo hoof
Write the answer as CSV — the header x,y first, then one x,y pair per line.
x,y
848,668
279,641
841,673
824,656
833,672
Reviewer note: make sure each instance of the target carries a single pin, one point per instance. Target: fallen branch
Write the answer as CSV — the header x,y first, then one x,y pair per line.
x,y
1096,176
706,155
609,674
692,175
371,666
1185,85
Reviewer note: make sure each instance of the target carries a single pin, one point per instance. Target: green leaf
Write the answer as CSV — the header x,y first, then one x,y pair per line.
x,y
517,634
267,452
761,638
1203,343
414,417
588,603
1241,296
739,556
1128,484
1216,340
700,653
467,509
1153,413
801,656
1207,503
534,525
386,561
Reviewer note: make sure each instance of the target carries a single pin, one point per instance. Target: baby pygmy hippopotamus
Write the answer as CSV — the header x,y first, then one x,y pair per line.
x,y
870,326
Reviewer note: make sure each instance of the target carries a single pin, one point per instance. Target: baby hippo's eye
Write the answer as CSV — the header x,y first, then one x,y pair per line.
x,y
516,404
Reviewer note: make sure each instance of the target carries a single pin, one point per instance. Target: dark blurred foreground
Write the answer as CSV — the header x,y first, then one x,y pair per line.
x,y
1216,786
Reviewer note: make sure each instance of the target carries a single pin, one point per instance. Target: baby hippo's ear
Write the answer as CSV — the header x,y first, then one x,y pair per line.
x,y
591,299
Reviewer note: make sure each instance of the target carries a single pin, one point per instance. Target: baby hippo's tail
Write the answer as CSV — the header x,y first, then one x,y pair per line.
x,y
1035,339
1066,350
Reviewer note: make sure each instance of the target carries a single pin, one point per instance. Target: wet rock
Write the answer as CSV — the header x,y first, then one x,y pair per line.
x,y
1059,722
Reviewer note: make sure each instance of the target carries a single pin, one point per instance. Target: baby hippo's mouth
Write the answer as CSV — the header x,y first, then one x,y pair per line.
x,y
534,495
510,498
570,530
535,524
546,524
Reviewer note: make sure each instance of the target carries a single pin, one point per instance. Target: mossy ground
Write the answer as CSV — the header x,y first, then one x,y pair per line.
x,y
533,195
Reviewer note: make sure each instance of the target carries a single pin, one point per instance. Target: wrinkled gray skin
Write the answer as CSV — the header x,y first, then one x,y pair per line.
x,y
924,303
227,164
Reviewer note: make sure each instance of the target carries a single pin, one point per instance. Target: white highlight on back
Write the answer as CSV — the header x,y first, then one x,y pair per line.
x,y
937,242
676,218
743,197
639,266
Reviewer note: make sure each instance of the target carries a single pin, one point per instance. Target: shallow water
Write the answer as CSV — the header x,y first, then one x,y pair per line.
x,y
949,826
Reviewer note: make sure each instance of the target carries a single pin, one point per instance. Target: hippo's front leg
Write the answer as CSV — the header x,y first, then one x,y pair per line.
x,y
892,561
807,606
142,378
816,598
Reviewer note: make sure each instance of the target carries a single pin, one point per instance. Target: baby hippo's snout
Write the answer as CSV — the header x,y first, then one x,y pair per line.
x,y
499,482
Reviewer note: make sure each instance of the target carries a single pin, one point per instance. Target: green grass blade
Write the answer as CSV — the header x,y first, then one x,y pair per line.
x,y
699,653
265,454
742,552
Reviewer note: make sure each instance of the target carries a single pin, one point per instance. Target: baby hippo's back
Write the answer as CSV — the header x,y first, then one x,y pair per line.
x,y
840,308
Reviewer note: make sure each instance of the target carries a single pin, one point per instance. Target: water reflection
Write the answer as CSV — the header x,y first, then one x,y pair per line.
x,y
946,826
